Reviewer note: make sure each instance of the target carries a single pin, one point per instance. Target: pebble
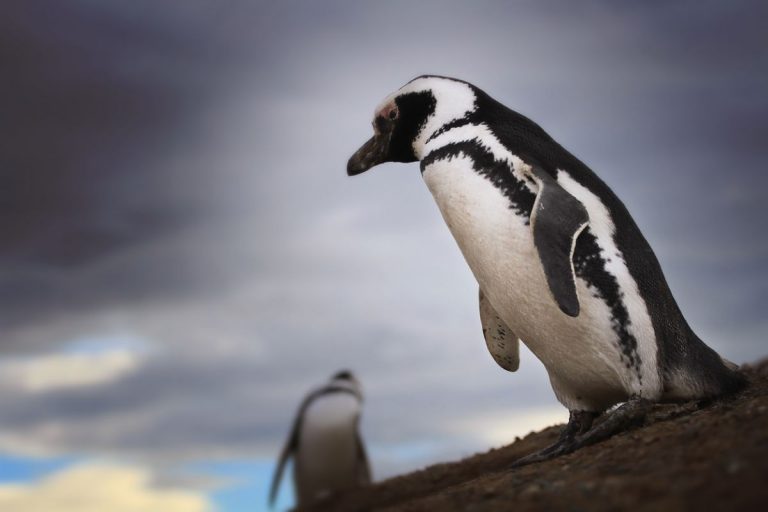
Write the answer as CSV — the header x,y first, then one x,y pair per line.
x,y
733,467
531,490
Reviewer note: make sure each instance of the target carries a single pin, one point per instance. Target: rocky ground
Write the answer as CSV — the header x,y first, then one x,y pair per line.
x,y
684,457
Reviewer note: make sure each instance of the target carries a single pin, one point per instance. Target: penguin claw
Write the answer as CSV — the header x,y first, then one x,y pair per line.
x,y
576,436
548,453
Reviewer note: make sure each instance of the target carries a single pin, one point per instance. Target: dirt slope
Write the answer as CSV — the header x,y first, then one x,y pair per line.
x,y
683,458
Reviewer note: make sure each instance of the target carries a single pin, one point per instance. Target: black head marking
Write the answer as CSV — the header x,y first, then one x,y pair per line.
x,y
343,375
396,126
414,109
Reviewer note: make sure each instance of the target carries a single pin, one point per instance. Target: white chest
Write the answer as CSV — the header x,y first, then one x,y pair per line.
x,y
581,354
327,455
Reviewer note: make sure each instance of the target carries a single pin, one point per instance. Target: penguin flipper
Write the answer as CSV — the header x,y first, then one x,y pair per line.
x,y
363,466
557,220
290,447
502,343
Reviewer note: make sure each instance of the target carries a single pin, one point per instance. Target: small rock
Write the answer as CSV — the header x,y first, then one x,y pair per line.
x,y
488,494
734,466
531,490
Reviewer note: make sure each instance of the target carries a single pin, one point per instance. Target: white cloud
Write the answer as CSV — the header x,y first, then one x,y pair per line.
x,y
501,428
67,371
99,488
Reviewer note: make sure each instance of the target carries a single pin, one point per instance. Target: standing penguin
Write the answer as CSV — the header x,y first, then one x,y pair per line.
x,y
561,265
325,443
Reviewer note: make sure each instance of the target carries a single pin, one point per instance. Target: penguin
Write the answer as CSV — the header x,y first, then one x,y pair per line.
x,y
325,443
560,263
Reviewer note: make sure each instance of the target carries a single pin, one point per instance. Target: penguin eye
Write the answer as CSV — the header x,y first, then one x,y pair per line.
x,y
380,124
392,114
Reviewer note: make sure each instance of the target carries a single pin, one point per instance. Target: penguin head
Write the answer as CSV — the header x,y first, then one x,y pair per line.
x,y
343,375
402,120
347,379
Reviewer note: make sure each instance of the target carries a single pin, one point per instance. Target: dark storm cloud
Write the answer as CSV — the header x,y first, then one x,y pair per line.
x,y
96,101
79,129
77,125
100,95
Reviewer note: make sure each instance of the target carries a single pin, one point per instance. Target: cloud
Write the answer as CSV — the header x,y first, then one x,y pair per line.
x,y
66,371
99,488
499,428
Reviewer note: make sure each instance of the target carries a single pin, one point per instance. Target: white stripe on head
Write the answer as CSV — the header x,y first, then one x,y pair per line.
x,y
453,100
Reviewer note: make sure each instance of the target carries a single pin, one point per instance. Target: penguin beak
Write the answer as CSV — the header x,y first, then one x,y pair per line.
x,y
370,154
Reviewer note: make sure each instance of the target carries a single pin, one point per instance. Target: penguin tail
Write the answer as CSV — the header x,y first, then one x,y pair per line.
x,y
729,364
703,373
734,382
730,378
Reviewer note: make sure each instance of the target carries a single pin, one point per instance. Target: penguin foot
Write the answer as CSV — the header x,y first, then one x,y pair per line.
x,y
579,422
577,433
630,414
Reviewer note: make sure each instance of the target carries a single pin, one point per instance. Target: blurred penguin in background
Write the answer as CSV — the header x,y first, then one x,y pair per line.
x,y
328,453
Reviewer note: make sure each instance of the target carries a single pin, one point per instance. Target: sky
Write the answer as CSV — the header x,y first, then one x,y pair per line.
x,y
182,256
